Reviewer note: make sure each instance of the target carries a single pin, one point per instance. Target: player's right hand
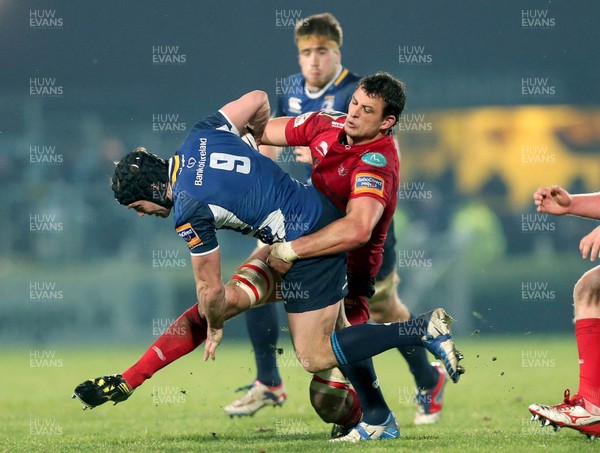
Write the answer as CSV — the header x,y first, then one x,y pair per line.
x,y
213,340
590,245
552,200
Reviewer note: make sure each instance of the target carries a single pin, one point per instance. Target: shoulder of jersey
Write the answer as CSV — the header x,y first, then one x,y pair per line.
x,y
334,118
297,76
324,118
352,77
293,80
348,79
381,157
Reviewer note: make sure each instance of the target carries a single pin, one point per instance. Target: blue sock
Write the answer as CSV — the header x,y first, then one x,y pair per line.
x,y
362,341
426,377
364,380
263,328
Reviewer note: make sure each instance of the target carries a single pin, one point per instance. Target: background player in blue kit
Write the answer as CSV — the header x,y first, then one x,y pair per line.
x,y
324,83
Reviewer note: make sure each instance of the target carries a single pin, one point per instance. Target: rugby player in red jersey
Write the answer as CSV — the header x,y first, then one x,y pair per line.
x,y
356,165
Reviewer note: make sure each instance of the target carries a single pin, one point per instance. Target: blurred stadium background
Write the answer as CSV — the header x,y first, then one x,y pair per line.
x,y
503,98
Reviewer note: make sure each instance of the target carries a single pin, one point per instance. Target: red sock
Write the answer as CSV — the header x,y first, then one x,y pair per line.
x,y
183,336
587,332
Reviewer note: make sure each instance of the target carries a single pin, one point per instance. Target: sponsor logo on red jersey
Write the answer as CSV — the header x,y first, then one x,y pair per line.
x,y
368,183
375,159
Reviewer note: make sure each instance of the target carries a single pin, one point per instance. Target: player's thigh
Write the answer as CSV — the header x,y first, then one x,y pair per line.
x,y
310,332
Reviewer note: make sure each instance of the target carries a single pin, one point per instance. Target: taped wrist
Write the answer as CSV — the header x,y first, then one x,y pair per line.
x,y
284,251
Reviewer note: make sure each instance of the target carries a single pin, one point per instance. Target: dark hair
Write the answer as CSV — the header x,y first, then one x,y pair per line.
x,y
324,24
141,175
388,88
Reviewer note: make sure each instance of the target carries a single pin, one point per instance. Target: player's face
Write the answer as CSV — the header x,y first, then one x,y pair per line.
x,y
318,63
145,207
365,121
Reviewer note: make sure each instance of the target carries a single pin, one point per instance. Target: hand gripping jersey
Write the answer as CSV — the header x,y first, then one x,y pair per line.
x,y
219,181
294,98
343,172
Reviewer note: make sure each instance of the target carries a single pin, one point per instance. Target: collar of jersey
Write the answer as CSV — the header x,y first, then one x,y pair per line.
x,y
359,149
173,168
319,93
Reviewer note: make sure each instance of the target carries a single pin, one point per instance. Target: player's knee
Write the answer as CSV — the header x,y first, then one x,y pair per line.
x,y
311,360
403,311
377,312
311,363
256,280
236,299
587,289
329,395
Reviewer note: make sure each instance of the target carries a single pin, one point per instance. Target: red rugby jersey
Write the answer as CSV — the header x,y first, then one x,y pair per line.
x,y
343,172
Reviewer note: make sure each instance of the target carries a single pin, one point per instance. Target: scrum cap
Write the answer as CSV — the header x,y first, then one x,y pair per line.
x,y
141,175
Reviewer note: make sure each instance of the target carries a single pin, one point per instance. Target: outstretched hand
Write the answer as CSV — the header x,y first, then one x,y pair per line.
x,y
213,340
552,200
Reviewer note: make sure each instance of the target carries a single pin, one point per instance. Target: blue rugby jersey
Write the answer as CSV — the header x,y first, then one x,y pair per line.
x,y
294,99
220,182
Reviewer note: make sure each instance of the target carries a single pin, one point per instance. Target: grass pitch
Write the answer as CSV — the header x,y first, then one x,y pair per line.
x,y
181,407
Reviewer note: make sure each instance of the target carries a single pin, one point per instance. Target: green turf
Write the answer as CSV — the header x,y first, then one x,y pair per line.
x,y
180,409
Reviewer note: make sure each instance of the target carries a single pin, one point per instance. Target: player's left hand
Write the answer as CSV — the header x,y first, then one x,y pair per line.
x,y
279,265
213,340
590,245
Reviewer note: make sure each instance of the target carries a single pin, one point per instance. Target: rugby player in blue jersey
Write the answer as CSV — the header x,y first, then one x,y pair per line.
x,y
216,181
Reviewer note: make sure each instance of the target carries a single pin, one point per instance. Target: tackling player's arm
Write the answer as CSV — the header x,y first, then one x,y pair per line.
x,y
274,132
211,297
348,233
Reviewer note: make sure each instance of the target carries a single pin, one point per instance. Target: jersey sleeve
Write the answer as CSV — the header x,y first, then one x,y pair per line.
x,y
300,131
217,121
195,225
375,182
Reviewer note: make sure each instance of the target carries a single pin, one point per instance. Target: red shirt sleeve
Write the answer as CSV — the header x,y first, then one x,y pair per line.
x,y
301,130
370,181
